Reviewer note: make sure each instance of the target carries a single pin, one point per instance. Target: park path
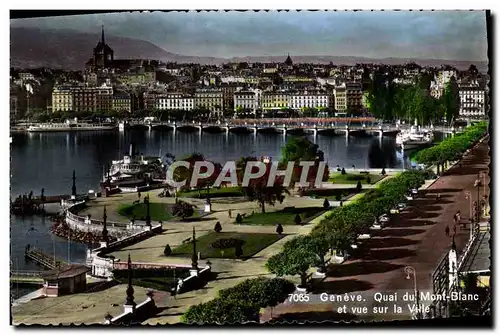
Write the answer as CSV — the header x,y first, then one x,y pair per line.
x,y
418,239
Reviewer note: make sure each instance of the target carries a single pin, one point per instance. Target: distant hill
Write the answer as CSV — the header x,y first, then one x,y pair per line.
x,y
69,49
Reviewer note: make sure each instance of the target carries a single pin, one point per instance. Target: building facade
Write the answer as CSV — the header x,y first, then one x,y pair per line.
x,y
301,100
275,100
340,98
62,99
472,101
354,97
247,100
174,101
122,102
103,56
211,99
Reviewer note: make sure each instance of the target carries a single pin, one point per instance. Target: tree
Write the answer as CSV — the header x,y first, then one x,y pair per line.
x,y
183,210
239,219
167,251
451,100
359,186
221,311
342,172
326,204
218,227
368,179
383,173
257,189
297,219
299,149
292,262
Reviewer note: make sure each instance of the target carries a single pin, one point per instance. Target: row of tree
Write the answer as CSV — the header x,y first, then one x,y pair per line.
x,y
452,148
390,101
241,303
341,227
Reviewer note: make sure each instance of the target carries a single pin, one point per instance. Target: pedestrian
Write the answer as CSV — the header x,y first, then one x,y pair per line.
x,y
447,231
438,196
229,213
454,229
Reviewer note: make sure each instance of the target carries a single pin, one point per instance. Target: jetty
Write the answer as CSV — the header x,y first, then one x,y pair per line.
x,y
42,258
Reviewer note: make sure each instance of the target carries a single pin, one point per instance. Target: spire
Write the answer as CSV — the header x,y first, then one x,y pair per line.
x,y
102,35
130,290
194,258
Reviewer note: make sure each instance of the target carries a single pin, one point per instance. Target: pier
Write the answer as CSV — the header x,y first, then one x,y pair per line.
x,y
26,277
44,259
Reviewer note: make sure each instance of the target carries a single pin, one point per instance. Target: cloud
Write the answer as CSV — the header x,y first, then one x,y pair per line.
x,y
453,35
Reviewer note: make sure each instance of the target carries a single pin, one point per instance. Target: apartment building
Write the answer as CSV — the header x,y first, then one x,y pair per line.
x,y
309,99
247,100
354,97
275,100
472,100
209,98
174,101
122,102
62,99
340,98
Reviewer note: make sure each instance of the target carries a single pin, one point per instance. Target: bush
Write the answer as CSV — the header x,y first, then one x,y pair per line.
x,y
297,219
368,180
183,210
167,251
326,204
279,229
226,243
342,171
383,173
338,197
217,227
359,186
239,218
238,251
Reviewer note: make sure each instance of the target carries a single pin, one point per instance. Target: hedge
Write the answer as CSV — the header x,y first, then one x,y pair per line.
x,y
241,303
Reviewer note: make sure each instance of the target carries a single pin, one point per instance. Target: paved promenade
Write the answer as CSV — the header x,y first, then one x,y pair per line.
x,y
418,239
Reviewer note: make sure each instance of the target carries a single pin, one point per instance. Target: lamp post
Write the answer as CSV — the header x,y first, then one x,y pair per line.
x,y
469,196
410,270
478,185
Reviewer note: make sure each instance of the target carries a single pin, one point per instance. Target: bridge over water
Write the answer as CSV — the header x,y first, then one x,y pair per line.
x,y
282,126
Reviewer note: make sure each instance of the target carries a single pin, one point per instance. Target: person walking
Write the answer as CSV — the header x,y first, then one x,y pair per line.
x,y
447,231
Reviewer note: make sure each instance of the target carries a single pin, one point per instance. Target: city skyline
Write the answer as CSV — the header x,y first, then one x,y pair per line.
x,y
450,35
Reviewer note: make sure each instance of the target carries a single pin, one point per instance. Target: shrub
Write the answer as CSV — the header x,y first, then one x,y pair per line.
x,y
183,210
217,227
238,251
167,251
383,173
239,218
297,219
326,204
342,171
338,197
359,186
368,180
279,229
226,243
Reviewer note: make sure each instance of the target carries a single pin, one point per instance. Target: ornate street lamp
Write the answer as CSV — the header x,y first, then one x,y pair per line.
x,y
410,270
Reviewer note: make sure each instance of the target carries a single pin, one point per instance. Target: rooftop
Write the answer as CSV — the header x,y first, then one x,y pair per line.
x,y
67,271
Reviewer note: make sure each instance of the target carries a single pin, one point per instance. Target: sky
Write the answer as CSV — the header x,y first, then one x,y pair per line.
x,y
450,35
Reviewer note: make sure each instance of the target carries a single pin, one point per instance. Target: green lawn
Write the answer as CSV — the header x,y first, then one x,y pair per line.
x,y
232,191
157,211
252,244
285,216
352,178
157,279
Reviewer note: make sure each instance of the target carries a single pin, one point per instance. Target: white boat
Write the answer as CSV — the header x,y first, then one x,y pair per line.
x,y
69,126
414,138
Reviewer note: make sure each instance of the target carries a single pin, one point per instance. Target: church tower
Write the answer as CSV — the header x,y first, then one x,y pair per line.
x,y
103,54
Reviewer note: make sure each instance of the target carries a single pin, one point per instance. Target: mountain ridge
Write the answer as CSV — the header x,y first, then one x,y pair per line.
x,y
70,49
